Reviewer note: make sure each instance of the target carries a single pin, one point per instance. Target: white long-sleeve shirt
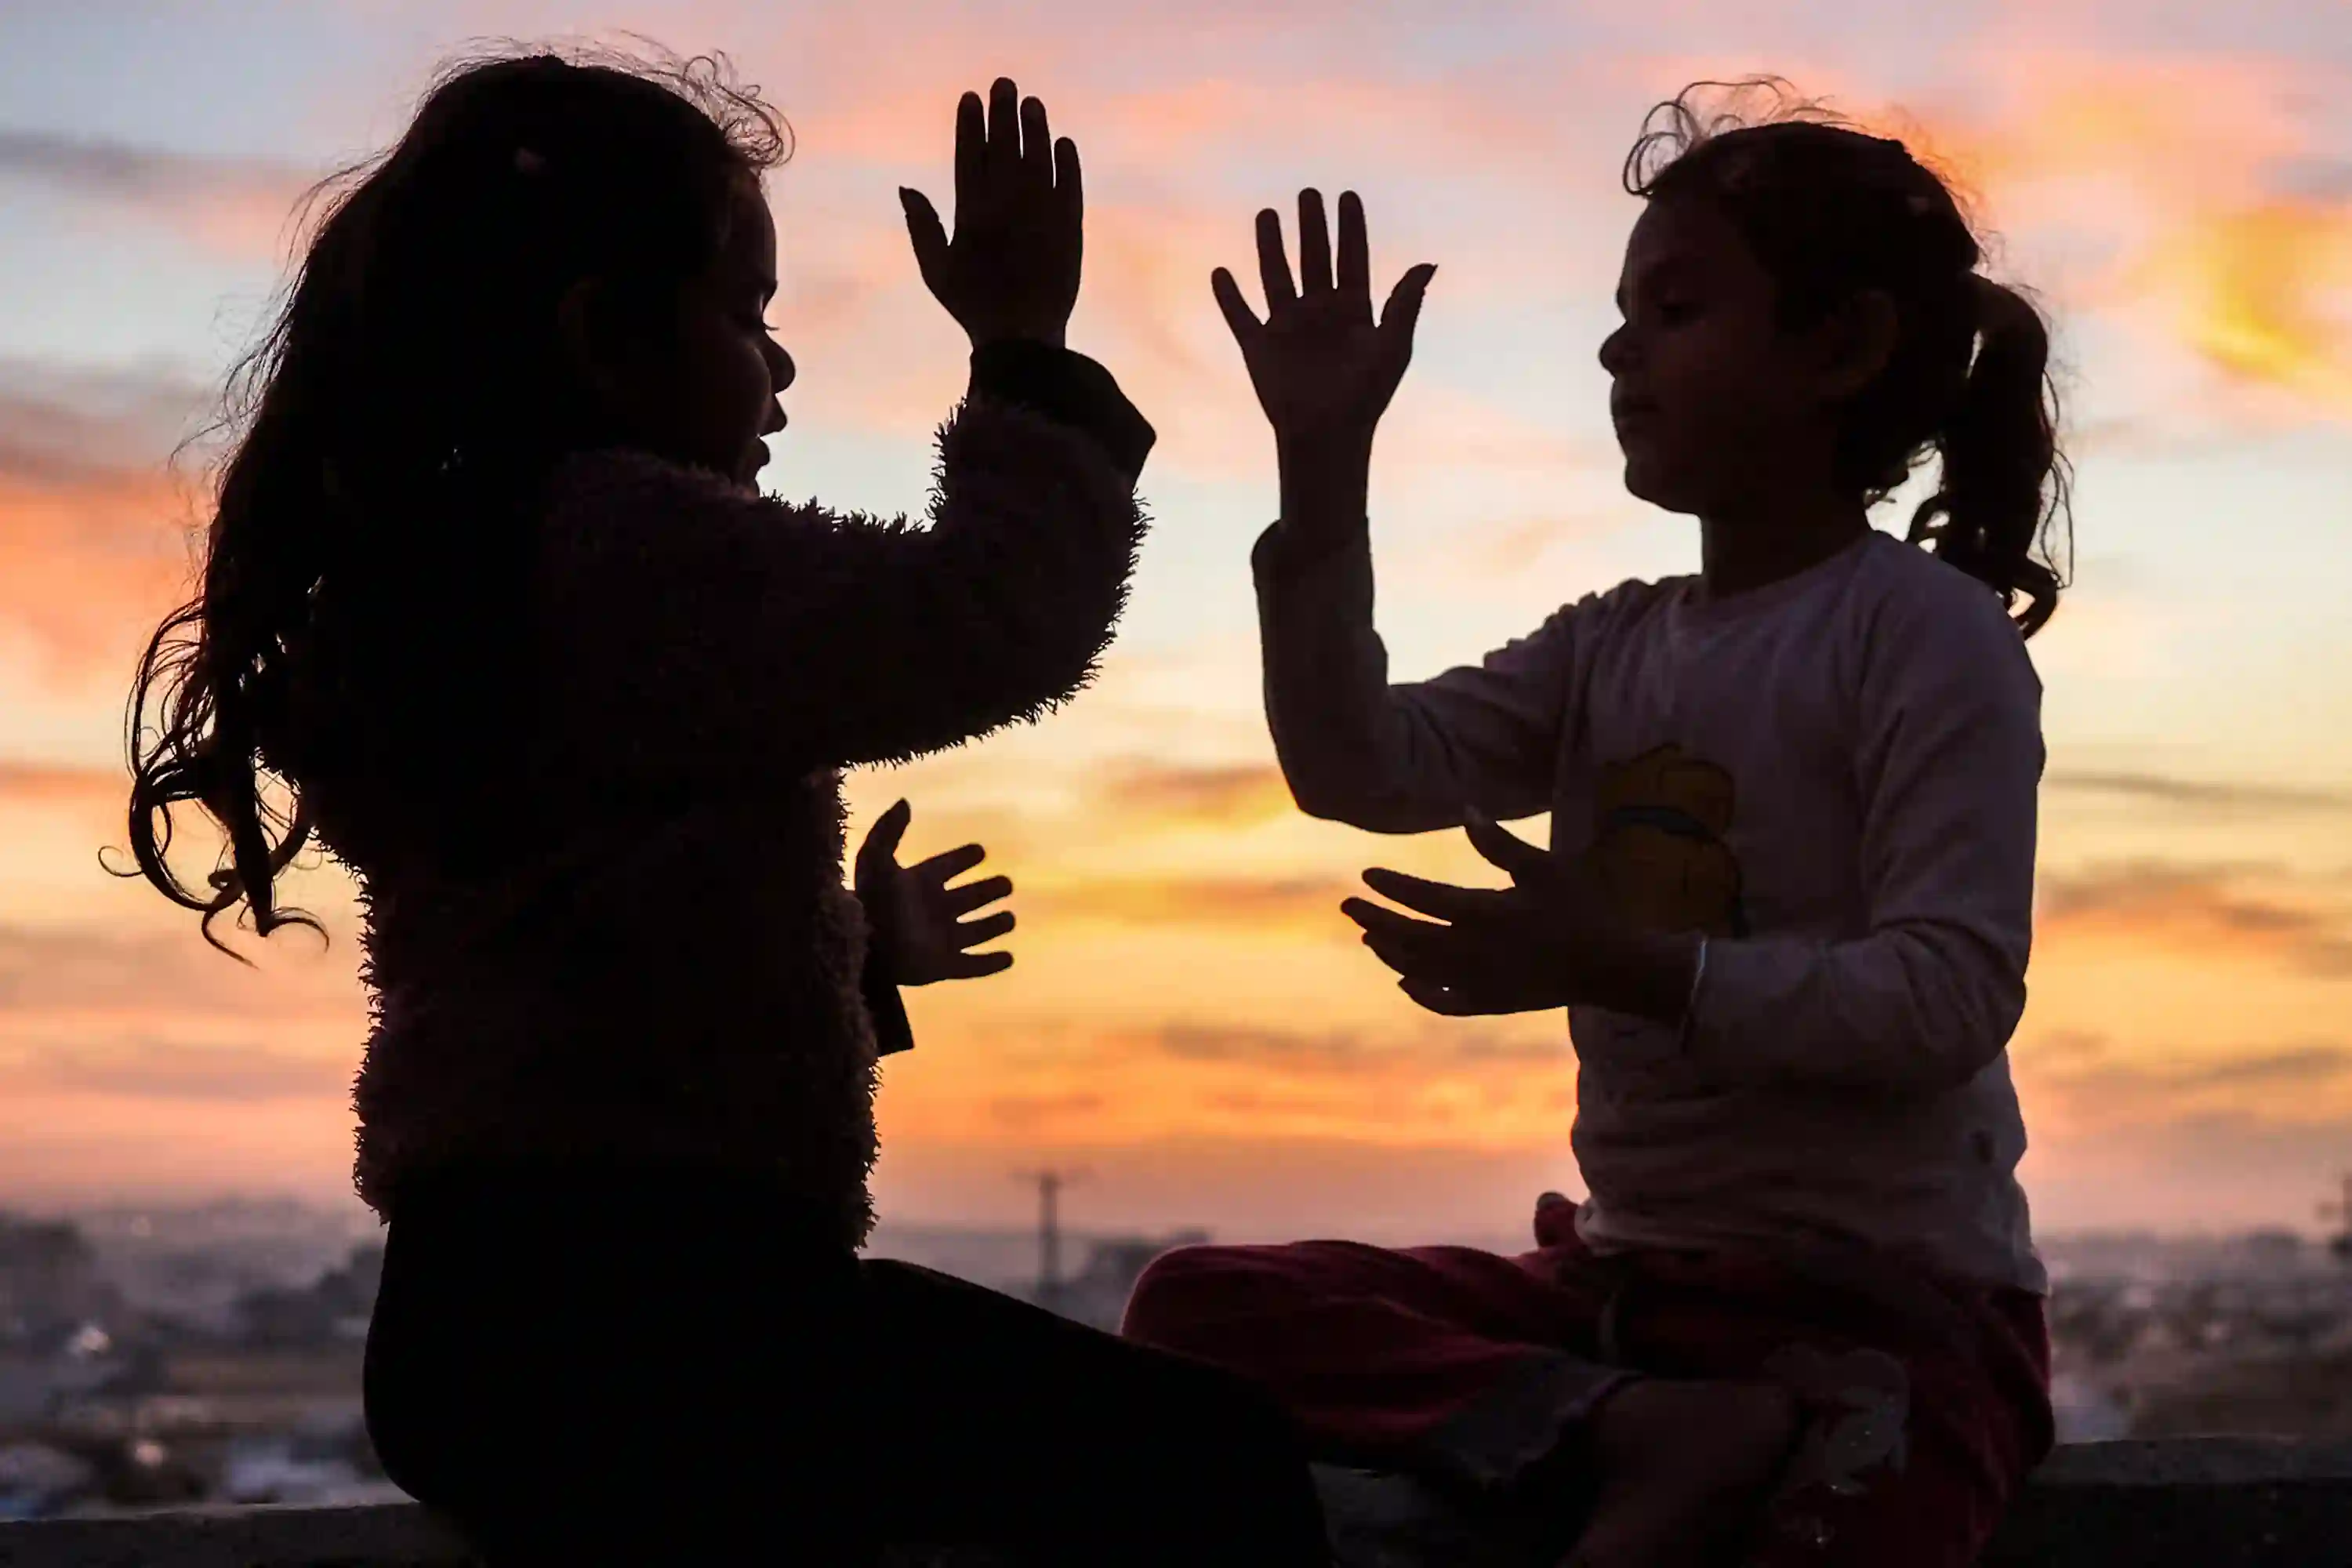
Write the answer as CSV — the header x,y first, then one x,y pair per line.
x,y
1835,777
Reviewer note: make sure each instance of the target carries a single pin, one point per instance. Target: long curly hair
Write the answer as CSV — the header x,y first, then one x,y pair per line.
x,y
1833,211
361,564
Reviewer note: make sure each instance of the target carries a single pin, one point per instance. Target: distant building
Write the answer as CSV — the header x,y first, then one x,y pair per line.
x,y
50,1287
1096,1295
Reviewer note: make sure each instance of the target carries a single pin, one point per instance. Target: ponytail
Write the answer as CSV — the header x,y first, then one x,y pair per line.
x,y
2004,481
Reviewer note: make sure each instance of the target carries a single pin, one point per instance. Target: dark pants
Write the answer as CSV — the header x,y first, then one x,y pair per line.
x,y
1926,1402
625,1368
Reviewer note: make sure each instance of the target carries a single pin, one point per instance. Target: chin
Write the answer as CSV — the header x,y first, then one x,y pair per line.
x,y
1645,482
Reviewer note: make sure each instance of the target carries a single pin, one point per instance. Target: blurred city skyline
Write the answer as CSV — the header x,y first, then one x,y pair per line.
x,y
1190,1018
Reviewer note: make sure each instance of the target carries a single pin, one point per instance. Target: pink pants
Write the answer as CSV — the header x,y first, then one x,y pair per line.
x,y
1926,1402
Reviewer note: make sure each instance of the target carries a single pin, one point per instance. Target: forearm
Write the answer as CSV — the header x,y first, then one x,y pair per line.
x,y
888,1010
1901,1009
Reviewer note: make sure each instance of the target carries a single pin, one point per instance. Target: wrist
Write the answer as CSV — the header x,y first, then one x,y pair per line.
x,y
1647,975
1326,483
980,338
1323,454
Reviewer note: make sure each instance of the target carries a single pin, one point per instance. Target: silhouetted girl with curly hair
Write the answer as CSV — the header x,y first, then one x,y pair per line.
x,y
492,607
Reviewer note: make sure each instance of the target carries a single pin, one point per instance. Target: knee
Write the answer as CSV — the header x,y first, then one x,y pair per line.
x,y
1179,1290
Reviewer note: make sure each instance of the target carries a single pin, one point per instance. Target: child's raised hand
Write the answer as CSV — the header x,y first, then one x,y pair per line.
x,y
1011,270
1324,369
916,919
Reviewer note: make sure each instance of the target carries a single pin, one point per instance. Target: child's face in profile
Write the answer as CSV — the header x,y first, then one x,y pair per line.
x,y
706,396
1714,403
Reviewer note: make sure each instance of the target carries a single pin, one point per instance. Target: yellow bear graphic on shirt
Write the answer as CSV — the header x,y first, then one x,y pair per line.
x,y
1658,843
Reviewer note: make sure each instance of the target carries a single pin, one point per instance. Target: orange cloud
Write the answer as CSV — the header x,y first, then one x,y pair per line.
x,y
2216,795
233,207
59,783
2084,1083
88,566
1224,795
2262,292
2182,181
2208,912
157,980
1256,903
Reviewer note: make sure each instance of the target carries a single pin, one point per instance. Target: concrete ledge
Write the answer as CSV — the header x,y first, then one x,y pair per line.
x,y
376,1535
2209,1503
2214,1502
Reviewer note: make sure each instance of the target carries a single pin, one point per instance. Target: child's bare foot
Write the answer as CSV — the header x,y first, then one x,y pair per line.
x,y
1681,1467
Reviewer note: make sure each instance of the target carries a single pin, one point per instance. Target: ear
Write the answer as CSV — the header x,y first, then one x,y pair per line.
x,y
1858,340
592,352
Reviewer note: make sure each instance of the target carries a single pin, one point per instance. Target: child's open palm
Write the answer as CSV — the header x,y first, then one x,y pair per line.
x,y
918,921
1011,270
1324,369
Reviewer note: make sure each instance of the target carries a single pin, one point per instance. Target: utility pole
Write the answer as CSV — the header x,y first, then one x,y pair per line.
x,y
2340,1211
1050,1184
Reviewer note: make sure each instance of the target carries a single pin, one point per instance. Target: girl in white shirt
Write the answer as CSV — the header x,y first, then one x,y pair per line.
x,y
1787,904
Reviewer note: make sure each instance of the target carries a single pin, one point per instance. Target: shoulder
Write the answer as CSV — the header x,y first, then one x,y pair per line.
x,y
1901,588
1627,608
616,487
1924,621
622,507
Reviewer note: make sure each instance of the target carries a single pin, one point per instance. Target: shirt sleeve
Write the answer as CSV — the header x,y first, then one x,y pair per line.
x,y
711,631
1948,768
1405,758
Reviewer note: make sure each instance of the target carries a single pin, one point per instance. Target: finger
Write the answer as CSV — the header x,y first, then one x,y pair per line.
x,y
972,933
1036,143
1069,181
1444,899
1503,848
1355,277
973,965
978,895
946,866
971,149
1403,311
1273,266
1240,320
1376,919
1004,126
1436,967
1314,244
1450,1001
925,232
882,840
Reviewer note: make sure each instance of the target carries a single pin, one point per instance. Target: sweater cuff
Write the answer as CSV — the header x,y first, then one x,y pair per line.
x,y
1338,571
1069,389
886,1007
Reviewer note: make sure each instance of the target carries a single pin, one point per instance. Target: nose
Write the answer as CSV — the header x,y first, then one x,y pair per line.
x,y
780,369
1615,350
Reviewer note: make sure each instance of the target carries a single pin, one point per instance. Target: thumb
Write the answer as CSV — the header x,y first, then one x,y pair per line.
x,y
881,846
1239,318
1503,848
928,235
1402,311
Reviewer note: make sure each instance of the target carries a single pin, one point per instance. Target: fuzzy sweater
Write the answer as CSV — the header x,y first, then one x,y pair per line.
x,y
670,972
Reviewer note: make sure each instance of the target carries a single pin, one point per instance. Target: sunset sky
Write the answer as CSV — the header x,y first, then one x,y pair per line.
x,y
1189,1019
